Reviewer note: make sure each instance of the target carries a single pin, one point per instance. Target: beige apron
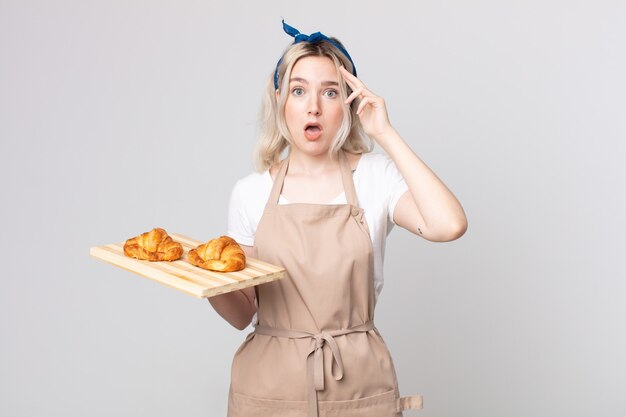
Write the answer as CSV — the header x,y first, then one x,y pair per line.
x,y
315,350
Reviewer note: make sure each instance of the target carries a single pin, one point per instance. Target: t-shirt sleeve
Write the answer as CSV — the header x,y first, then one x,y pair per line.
x,y
395,186
239,227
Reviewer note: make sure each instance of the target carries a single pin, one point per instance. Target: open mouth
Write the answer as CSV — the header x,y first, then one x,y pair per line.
x,y
312,131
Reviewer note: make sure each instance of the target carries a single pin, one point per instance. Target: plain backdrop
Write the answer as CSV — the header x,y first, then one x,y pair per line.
x,y
119,116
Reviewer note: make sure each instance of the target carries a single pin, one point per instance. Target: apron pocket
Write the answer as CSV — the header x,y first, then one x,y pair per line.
x,y
379,405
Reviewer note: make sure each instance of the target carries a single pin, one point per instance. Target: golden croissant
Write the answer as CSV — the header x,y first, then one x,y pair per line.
x,y
155,245
222,254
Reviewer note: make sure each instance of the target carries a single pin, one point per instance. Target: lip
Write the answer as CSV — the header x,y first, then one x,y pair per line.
x,y
312,124
313,136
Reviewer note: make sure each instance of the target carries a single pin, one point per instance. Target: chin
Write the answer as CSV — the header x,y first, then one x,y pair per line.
x,y
313,148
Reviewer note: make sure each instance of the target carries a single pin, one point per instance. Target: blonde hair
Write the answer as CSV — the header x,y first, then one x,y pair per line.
x,y
274,136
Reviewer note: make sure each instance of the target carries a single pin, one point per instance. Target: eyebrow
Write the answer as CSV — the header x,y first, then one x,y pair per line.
x,y
303,81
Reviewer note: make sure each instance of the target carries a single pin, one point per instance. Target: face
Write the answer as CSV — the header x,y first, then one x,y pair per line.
x,y
313,109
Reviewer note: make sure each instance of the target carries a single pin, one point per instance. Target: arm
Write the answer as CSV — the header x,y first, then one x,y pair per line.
x,y
428,209
236,307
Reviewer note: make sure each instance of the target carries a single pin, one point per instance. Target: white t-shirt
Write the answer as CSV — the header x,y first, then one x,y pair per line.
x,y
378,183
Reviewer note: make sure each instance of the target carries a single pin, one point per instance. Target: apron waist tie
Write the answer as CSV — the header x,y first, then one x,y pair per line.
x,y
315,357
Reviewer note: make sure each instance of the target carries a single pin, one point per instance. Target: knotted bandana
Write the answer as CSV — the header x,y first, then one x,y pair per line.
x,y
314,37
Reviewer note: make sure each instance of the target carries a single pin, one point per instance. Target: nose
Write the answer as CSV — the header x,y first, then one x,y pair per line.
x,y
314,106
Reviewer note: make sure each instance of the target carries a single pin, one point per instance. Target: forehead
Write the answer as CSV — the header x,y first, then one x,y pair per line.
x,y
315,68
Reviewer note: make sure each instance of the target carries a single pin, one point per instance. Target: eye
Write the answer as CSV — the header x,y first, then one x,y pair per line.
x,y
331,93
298,91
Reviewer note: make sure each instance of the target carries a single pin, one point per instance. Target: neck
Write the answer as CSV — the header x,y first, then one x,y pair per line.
x,y
302,163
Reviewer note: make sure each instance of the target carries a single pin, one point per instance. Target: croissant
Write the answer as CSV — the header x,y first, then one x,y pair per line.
x,y
155,245
222,254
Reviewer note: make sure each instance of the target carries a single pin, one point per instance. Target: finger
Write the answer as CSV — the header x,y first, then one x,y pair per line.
x,y
356,84
348,74
352,96
362,105
352,81
373,101
367,93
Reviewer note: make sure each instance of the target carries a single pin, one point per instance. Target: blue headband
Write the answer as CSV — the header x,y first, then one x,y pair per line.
x,y
314,37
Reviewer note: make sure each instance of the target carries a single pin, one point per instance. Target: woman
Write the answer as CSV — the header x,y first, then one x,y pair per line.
x,y
323,213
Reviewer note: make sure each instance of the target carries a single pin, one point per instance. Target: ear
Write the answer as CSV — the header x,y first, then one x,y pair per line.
x,y
277,96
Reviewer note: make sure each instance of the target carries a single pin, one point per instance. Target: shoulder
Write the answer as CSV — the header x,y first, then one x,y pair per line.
x,y
377,158
374,163
251,182
250,189
364,161
378,175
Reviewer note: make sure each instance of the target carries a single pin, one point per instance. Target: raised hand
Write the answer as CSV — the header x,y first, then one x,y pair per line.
x,y
372,111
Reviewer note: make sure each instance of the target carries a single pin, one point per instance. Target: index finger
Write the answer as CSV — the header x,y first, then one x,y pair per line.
x,y
355,83
350,78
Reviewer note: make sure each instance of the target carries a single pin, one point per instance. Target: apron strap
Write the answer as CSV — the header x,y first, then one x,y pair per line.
x,y
278,183
346,177
413,402
348,182
315,356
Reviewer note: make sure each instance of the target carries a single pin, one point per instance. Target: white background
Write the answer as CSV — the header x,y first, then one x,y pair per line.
x,y
119,116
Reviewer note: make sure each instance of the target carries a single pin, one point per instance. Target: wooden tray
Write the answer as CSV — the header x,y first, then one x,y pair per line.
x,y
186,277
